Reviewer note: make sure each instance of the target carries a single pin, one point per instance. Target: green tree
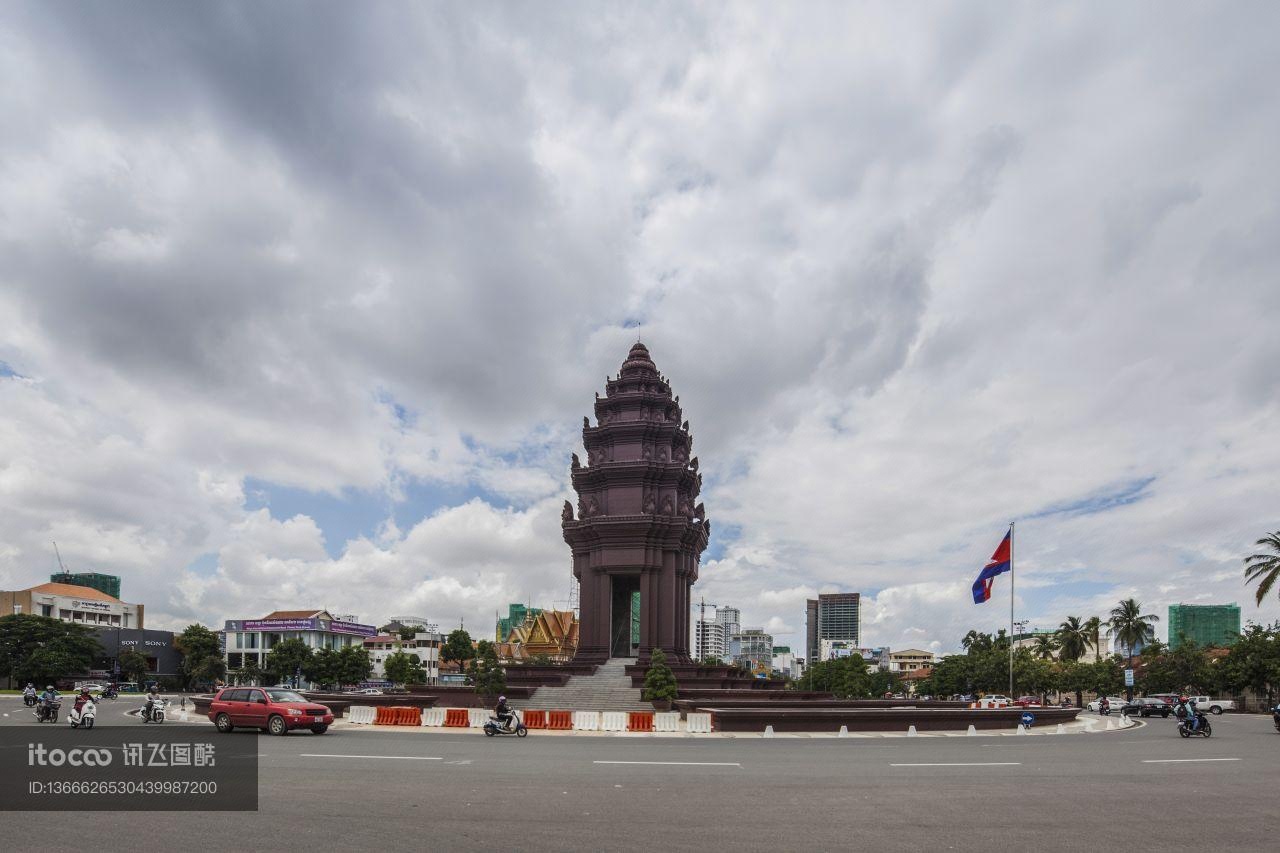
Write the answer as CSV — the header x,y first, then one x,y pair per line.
x,y
1093,629
1046,646
202,662
1132,627
404,668
488,676
1073,639
659,681
1265,567
354,665
1106,676
458,648
286,659
38,648
322,668
1074,676
133,664
1184,668
1254,662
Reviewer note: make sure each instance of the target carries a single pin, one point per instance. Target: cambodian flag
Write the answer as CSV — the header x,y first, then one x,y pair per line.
x,y
1001,561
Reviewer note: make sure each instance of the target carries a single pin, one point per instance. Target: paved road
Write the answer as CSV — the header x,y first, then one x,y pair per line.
x,y
1137,789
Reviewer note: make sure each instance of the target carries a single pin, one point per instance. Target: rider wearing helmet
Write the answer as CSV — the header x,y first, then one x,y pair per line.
x,y
153,696
29,690
503,712
1186,710
82,699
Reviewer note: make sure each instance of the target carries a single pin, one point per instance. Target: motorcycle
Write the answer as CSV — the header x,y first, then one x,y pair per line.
x,y
1275,717
110,694
1184,727
29,699
1104,710
156,714
47,712
497,727
88,713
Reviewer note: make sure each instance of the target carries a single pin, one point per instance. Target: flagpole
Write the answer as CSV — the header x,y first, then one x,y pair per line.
x,y
1011,583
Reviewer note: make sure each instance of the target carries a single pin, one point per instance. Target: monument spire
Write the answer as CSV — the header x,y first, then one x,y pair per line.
x,y
639,531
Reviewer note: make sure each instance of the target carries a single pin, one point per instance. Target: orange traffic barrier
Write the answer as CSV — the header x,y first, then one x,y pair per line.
x,y
561,721
535,719
384,716
457,717
640,721
408,717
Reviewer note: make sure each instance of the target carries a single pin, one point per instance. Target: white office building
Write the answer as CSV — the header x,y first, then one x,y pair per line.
x,y
426,646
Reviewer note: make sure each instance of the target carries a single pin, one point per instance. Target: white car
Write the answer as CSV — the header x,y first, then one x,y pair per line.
x,y
996,698
1117,702
1213,706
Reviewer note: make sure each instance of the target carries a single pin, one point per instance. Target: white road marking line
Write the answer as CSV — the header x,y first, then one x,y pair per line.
x,y
966,764
681,763
396,757
1183,760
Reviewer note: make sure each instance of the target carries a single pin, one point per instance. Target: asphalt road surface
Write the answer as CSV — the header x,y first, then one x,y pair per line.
x,y
1138,789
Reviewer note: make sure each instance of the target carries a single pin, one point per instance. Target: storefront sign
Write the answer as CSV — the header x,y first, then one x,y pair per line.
x,y
353,628
100,606
281,625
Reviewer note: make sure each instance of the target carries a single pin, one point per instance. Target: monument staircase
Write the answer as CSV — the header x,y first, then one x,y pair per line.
x,y
609,689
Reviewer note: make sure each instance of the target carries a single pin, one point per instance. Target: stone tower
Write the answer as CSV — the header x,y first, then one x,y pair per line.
x,y
639,530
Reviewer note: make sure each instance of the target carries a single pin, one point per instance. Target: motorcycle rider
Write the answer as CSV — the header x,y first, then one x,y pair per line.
x,y
503,712
81,700
153,696
1186,710
47,698
29,692
1104,706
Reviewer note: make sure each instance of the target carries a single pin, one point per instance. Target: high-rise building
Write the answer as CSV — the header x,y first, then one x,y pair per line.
x,y
832,616
752,648
710,641
730,618
110,584
1204,624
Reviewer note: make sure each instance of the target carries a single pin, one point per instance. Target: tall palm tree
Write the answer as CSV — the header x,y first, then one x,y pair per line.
x,y
1045,646
1073,639
1264,568
1131,627
1093,629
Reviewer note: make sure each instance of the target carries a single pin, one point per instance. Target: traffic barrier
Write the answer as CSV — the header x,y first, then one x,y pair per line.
x,y
1062,730
972,730
698,724
560,721
477,717
639,721
1022,730
768,731
360,715
433,716
667,721
384,717
844,732
455,717
411,717
613,721
586,721
911,731
534,719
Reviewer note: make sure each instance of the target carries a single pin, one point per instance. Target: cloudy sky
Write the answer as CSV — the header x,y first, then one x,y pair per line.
x,y
303,304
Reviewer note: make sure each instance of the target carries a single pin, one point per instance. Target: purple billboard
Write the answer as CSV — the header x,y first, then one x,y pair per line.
x,y
352,628
281,625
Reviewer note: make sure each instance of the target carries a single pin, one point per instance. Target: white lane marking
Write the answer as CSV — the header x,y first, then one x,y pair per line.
x,y
966,764
681,763
394,757
1183,760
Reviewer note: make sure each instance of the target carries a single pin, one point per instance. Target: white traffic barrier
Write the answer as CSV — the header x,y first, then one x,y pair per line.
x,y
433,716
586,721
1110,725
1022,730
666,721
1062,730
972,731
613,721
911,731
768,731
844,731
477,717
698,724
361,715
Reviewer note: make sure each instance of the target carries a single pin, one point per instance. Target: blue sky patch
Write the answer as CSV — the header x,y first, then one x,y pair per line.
x,y
1122,495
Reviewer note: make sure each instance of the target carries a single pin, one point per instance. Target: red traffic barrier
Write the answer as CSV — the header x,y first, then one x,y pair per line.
x,y
456,717
535,719
384,716
409,717
640,721
561,721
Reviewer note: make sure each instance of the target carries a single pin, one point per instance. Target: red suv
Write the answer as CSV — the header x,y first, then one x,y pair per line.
x,y
274,709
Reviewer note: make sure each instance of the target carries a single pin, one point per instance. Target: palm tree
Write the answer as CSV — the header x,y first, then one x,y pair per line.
x,y
1045,647
1131,627
1264,568
1073,639
1093,630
